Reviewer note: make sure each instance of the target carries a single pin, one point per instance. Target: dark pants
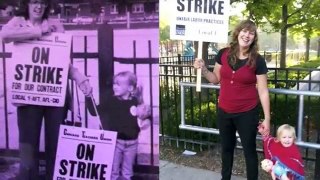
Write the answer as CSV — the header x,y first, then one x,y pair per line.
x,y
29,124
246,124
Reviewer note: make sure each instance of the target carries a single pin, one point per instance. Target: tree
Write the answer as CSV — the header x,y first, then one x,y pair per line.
x,y
281,15
310,28
164,32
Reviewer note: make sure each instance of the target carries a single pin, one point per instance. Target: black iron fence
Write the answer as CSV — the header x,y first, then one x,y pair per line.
x,y
200,108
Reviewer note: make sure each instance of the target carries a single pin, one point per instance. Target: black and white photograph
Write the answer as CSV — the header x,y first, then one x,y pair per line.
x,y
79,89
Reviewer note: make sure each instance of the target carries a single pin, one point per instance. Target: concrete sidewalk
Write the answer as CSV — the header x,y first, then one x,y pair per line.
x,y
171,171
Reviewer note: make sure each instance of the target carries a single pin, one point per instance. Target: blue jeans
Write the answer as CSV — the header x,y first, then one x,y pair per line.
x,y
124,159
29,124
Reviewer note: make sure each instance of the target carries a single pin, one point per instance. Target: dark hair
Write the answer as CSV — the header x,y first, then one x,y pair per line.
x,y
234,44
24,9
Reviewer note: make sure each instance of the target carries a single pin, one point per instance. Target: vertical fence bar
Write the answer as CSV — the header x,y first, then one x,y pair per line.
x,y
105,66
160,110
317,162
151,103
134,56
175,94
5,96
182,108
86,74
300,117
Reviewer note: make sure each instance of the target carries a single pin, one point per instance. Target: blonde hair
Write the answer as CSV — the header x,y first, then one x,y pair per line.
x,y
288,128
132,78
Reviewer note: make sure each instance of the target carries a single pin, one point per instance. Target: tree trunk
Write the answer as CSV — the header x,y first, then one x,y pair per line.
x,y
307,49
318,54
283,47
283,32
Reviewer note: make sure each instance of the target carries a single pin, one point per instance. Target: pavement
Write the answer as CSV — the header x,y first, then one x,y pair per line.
x,y
171,171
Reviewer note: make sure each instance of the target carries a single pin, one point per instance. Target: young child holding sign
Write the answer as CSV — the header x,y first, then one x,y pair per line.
x,y
120,112
283,159
32,22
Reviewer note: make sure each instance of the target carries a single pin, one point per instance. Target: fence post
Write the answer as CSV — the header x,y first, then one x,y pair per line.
x,y
179,63
5,55
105,64
317,162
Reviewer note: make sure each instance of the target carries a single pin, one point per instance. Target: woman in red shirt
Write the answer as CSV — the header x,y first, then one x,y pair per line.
x,y
31,22
242,74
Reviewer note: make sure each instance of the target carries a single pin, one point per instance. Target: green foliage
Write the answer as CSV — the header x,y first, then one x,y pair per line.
x,y
170,114
309,64
164,33
284,109
310,26
287,79
203,115
283,15
199,111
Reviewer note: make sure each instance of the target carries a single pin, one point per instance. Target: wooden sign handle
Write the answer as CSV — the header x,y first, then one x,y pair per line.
x,y
198,82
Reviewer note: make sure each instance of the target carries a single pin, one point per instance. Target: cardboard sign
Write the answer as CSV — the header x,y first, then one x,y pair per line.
x,y
38,71
200,20
84,153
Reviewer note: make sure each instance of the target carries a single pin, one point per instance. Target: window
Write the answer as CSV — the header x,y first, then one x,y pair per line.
x,y
114,9
138,8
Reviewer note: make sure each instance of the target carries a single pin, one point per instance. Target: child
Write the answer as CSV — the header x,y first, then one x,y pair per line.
x,y
283,151
119,112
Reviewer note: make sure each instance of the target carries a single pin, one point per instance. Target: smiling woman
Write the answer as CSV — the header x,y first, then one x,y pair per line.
x,y
241,72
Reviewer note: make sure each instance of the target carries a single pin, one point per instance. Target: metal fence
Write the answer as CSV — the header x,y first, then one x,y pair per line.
x,y
200,108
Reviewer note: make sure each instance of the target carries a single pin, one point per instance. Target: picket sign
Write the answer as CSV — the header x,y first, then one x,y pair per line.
x,y
201,20
84,153
38,71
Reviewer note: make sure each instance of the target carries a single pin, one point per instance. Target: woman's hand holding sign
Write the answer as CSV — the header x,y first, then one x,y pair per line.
x,y
213,77
46,30
200,64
